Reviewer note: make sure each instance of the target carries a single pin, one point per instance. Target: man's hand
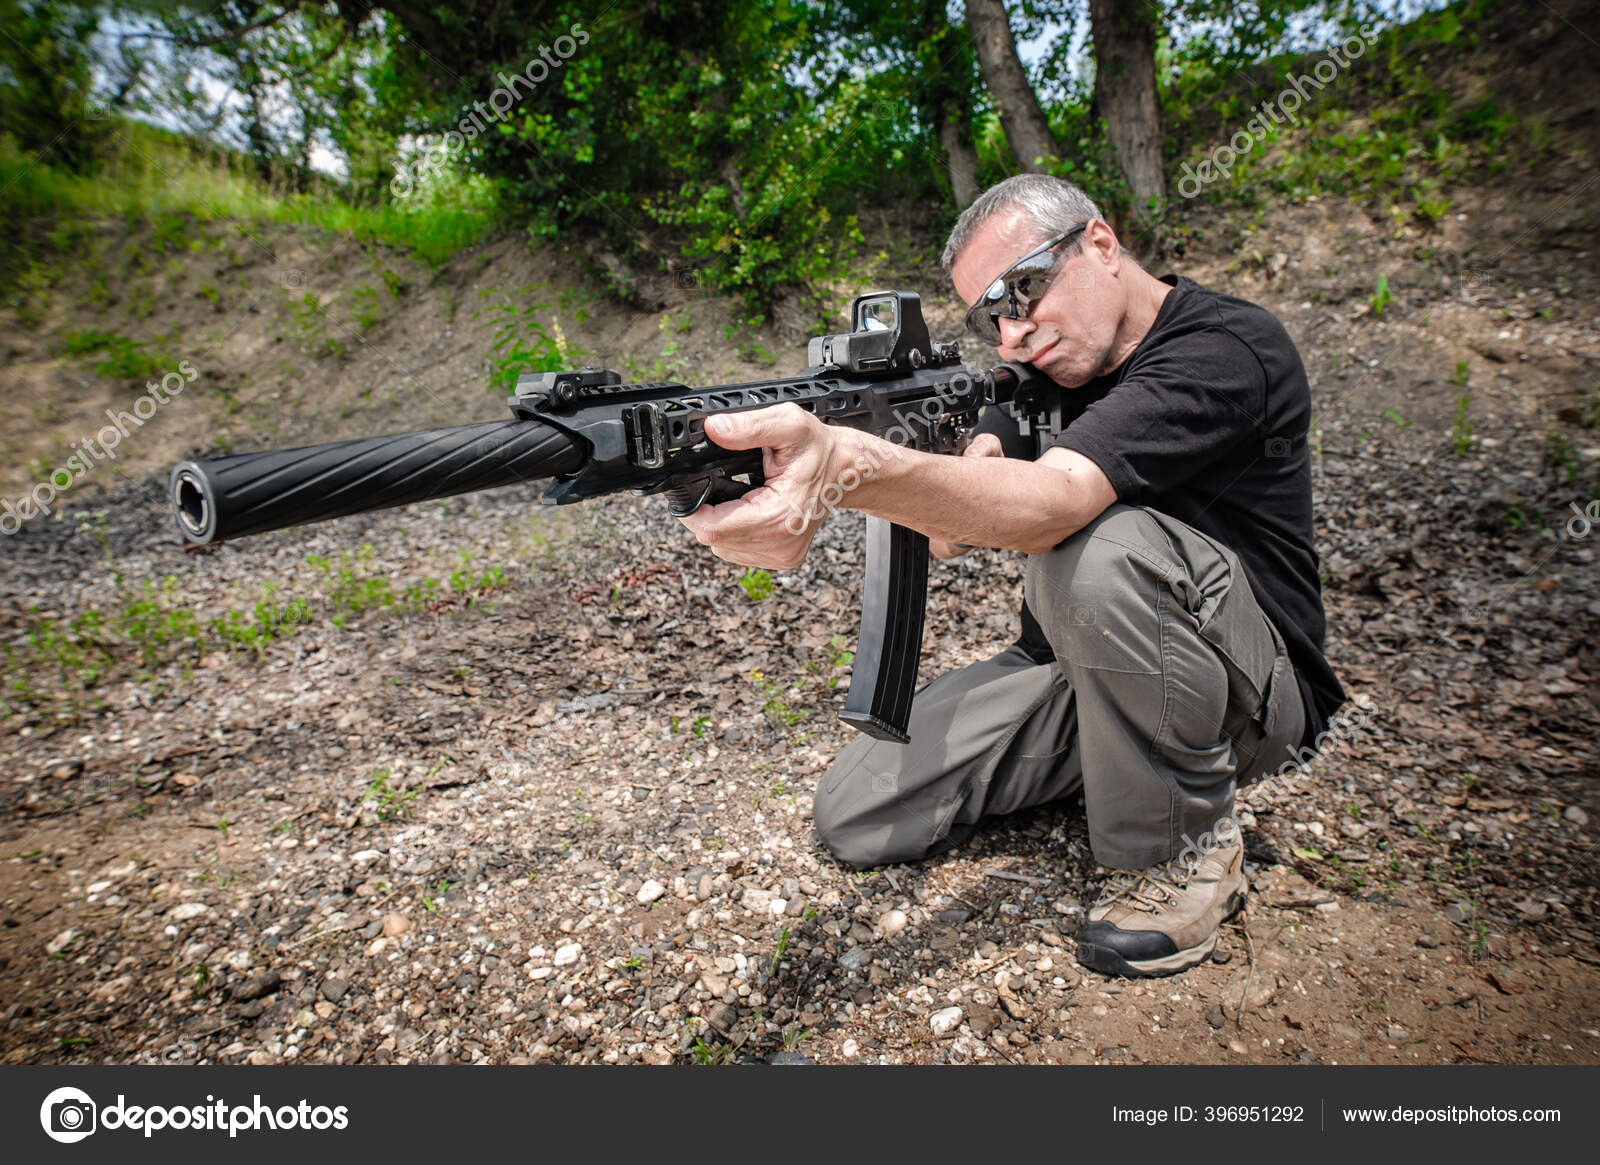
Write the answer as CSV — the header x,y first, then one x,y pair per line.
x,y
772,526
983,445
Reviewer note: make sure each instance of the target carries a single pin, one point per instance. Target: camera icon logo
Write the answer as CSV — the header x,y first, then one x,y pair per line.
x,y
1081,614
884,783
1278,446
68,1115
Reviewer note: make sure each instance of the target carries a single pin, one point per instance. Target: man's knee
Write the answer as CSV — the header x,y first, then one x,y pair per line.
x,y
864,818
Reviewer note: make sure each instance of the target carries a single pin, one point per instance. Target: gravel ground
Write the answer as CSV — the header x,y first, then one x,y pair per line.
x,y
566,817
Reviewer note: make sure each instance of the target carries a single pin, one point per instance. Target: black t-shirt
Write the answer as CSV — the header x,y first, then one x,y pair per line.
x,y
1207,421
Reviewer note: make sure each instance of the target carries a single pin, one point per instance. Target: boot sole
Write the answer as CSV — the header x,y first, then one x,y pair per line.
x,y
1109,962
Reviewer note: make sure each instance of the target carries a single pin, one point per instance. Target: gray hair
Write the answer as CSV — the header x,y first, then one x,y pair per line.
x,y
1053,204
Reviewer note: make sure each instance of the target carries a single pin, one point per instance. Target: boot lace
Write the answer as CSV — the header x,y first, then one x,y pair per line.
x,y
1149,889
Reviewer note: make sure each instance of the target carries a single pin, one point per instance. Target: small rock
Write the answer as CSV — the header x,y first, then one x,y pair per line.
x,y
1576,815
1215,1017
59,943
983,1020
1456,912
395,925
954,917
1344,1031
893,923
568,954
650,891
1531,909
1427,941
187,910
1066,906
1236,1047
334,990
722,1017
257,985
852,959
945,1021
792,1059
1396,1032
252,1009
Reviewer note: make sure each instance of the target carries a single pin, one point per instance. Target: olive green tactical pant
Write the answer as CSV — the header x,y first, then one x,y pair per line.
x,y
1169,689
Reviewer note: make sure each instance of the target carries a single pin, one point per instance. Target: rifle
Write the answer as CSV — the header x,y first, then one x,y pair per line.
x,y
595,435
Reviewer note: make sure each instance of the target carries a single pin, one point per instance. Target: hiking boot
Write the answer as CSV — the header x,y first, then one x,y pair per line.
x,y
1163,920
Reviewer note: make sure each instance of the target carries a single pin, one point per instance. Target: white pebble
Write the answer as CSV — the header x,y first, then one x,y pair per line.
x,y
650,891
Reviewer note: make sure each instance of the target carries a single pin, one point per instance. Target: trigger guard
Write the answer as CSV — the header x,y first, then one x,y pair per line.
x,y
679,504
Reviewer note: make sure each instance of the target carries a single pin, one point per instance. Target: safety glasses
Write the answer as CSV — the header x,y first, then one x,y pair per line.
x,y
1014,293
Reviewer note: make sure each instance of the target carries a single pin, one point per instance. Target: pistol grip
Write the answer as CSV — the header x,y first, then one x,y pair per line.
x,y
892,607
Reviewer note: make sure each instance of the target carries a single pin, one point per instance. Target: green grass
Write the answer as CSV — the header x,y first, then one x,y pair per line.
x,y
386,800
757,585
156,176
1380,298
121,357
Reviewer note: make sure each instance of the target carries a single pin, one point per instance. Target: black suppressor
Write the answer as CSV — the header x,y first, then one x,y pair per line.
x,y
251,493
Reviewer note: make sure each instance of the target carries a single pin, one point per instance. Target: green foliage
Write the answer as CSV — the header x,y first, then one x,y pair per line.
x,y
1461,433
47,101
150,174
522,342
757,584
1392,122
385,800
121,357
1380,298
776,705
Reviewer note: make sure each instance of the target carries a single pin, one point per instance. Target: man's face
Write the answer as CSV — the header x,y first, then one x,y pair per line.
x,y
1069,333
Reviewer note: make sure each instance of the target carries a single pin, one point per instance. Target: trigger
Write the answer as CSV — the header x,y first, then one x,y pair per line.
x,y
685,497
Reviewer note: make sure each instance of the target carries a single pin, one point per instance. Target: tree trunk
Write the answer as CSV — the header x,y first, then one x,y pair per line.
x,y
944,56
1014,99
1125,92
960,155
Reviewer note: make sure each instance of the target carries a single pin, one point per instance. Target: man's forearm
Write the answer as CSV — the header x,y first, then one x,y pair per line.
x,y
980,501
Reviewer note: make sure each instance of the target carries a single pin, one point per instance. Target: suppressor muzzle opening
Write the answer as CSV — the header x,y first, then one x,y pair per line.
x,y
192,505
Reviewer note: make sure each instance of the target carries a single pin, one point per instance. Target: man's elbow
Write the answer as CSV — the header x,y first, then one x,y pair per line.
x,y
1052,530
1047,540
